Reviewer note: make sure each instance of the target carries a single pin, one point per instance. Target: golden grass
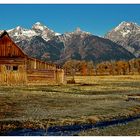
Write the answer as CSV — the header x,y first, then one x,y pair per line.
x,y
89,100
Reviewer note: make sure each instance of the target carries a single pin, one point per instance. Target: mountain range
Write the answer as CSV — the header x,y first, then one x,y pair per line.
x,y
121,43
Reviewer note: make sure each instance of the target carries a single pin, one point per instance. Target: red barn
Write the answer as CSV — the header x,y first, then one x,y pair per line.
x,y
18,68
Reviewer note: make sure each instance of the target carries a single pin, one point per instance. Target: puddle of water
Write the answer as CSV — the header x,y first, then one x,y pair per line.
x,y
27,132
69,130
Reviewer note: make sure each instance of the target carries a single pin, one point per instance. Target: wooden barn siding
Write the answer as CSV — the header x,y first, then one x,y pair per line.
x,y
39,71
41,76
10,77
11,55
12,61
39,65
8,48
46,76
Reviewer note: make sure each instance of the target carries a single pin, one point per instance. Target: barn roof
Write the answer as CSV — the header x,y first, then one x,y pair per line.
x,y
4,33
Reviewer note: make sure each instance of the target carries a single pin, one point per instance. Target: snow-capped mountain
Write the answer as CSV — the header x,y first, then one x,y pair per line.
x,y
38,29
44,31
20,33
126,34
43,43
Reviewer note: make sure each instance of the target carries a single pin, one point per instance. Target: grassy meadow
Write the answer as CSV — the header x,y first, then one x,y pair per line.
x,y
91,99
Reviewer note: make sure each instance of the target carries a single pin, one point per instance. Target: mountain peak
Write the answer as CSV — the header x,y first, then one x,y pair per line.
x,y
128,23
38,23
127,35
38,26
78,30
19,28
127,26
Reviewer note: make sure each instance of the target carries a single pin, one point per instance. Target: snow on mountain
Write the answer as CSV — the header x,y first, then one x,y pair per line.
x,y
56,34
19,31
38,29
1,31
44,31
125,28
126,34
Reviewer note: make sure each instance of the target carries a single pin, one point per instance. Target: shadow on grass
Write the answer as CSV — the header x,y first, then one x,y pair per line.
x,y
67,130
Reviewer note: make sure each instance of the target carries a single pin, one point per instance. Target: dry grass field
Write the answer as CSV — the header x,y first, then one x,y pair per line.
x,y
91,99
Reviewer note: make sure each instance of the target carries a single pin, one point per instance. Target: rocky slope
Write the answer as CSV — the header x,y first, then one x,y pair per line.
x,y
81,45
126,34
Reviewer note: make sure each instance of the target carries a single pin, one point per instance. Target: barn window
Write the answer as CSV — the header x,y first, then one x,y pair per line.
x,y
15,68
106,67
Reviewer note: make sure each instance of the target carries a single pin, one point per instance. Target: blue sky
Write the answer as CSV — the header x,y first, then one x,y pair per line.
x,y
97,19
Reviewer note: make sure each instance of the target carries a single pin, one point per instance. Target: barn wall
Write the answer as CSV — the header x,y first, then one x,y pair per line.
x,y
41,76
9,49
13,77
39,65
39,72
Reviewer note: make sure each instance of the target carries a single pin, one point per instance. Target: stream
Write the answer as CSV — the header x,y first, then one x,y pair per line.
x,y
69,130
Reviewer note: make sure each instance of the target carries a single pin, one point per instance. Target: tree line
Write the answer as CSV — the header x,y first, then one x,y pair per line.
x,y
89,68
